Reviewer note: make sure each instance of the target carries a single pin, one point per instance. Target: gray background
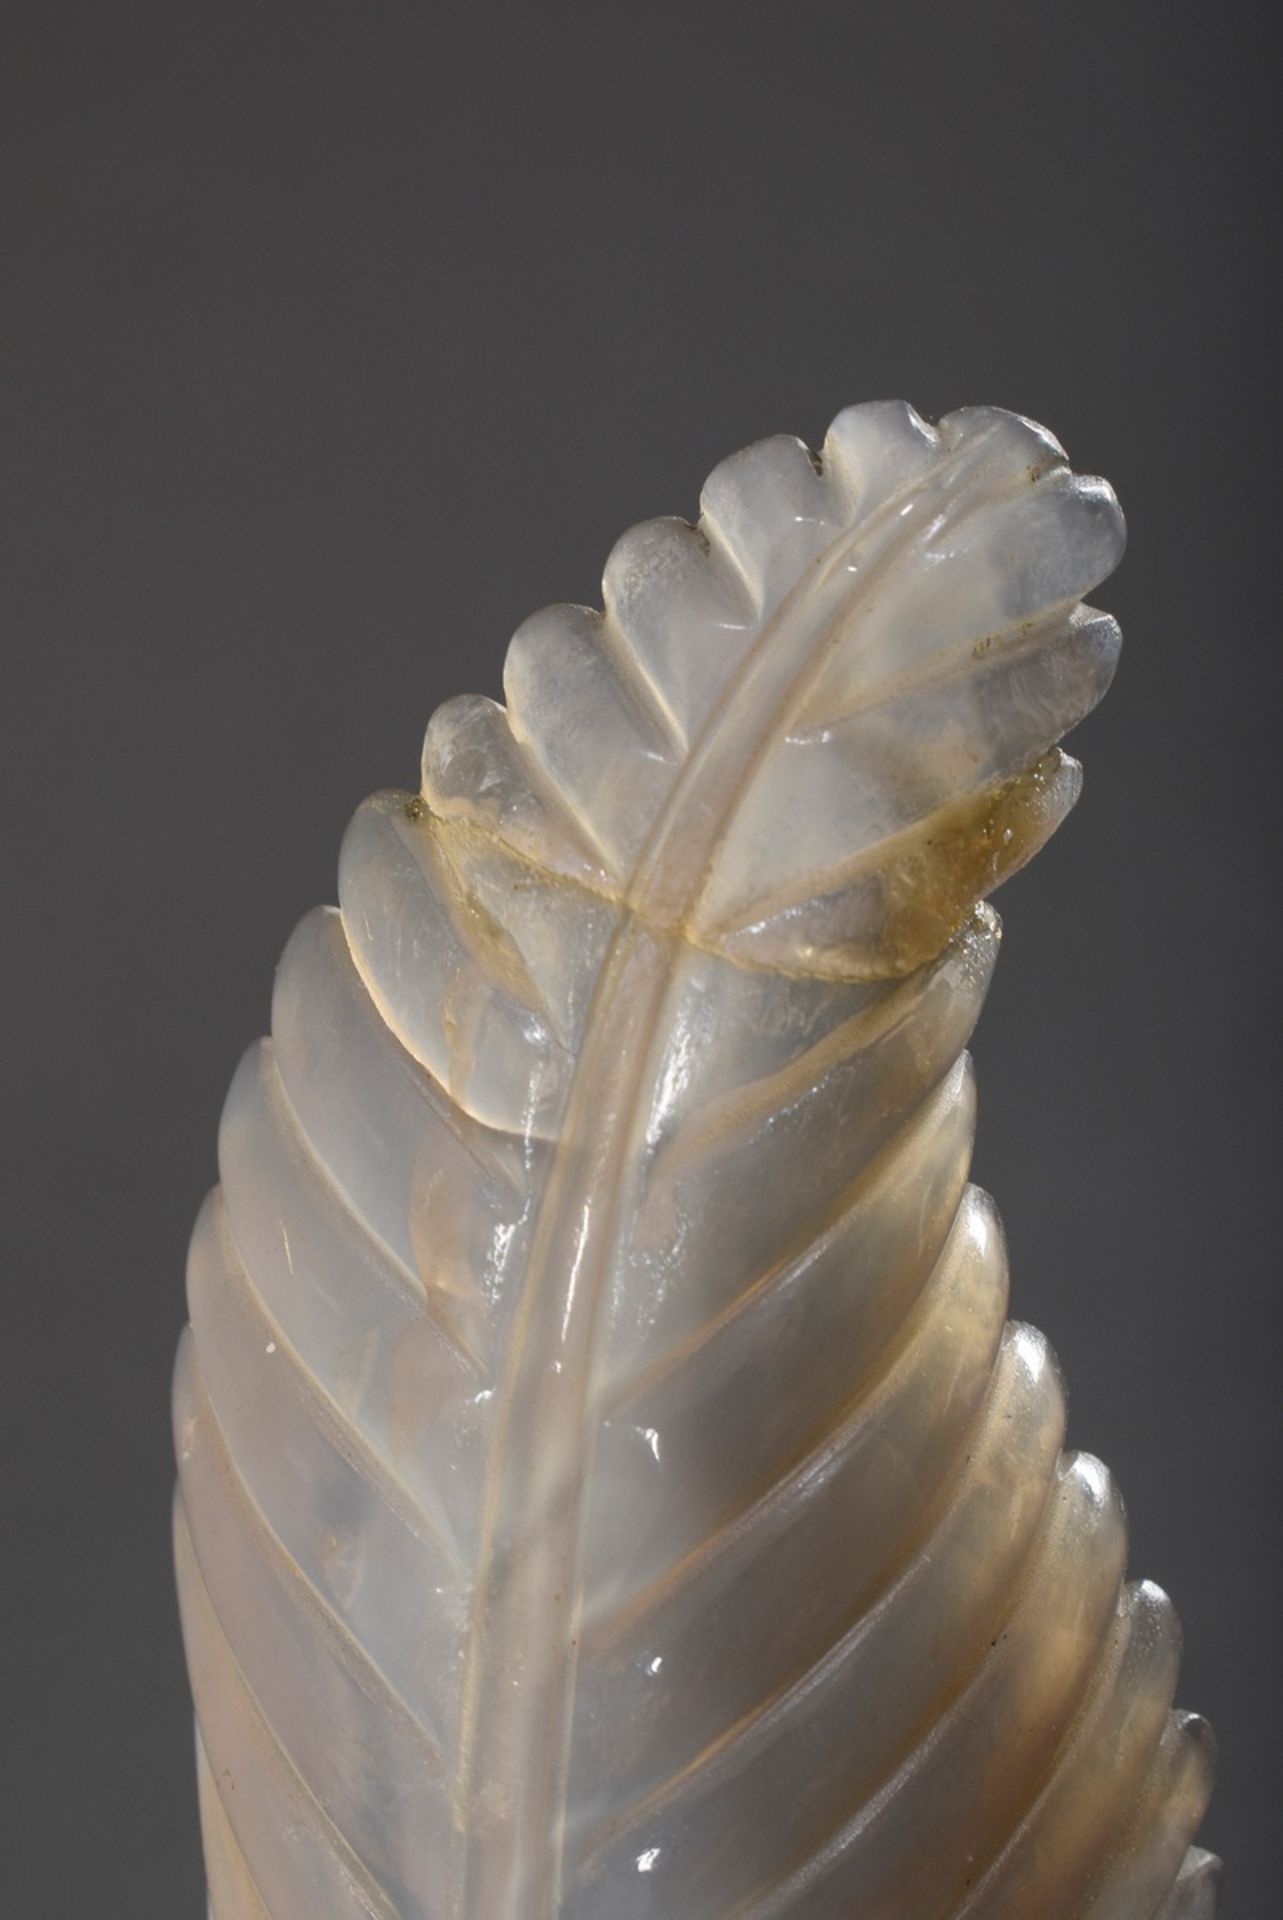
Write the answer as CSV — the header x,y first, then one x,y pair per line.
x,y
338,338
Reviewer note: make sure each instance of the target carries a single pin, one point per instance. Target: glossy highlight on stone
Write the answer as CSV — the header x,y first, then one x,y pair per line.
x,y
610,1485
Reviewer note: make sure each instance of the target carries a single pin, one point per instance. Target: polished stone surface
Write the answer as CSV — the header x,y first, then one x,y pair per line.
x,y
611,1486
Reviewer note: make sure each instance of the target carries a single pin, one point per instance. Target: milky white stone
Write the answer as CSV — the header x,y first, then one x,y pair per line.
x,y
610,1486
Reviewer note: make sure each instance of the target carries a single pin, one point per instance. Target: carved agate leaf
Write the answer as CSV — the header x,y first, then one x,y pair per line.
x,y
611,1488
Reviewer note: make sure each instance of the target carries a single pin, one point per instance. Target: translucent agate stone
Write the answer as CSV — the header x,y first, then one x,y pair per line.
x,y
611,1487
